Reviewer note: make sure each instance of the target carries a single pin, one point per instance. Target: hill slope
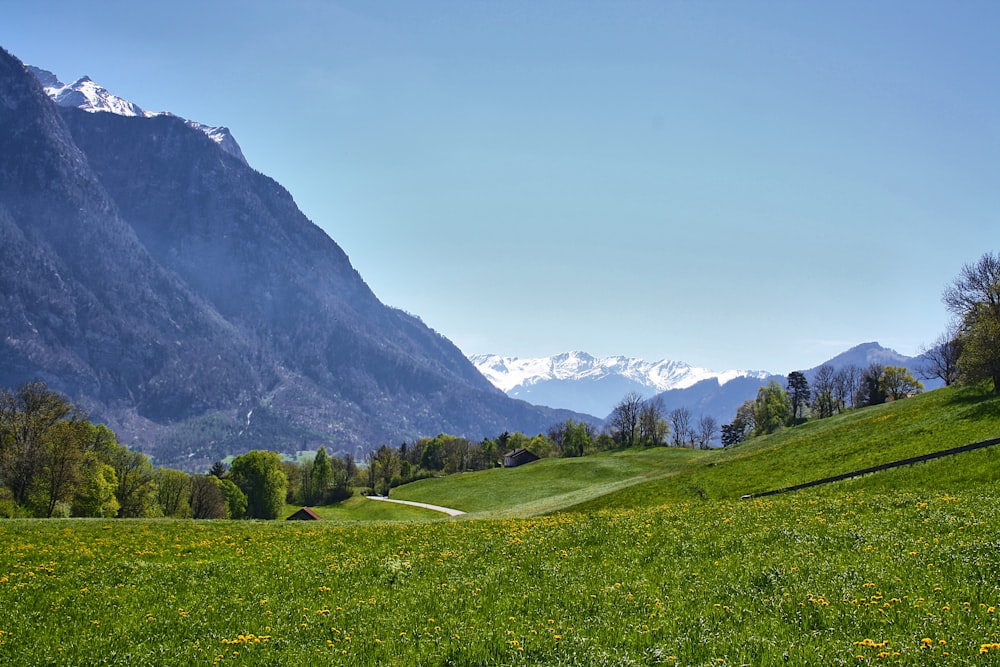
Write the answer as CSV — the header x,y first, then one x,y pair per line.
x,y
633,479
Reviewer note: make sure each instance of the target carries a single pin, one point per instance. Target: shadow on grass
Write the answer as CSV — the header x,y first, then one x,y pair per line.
x,y
978,403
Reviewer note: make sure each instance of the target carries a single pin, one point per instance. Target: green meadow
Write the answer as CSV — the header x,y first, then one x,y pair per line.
x,y
645,557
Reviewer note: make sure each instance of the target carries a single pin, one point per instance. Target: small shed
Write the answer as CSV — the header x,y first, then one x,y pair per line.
x,y
305,514
518,457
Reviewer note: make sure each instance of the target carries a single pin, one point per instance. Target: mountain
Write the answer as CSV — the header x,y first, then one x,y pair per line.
x,y
581,382
90,96
181,297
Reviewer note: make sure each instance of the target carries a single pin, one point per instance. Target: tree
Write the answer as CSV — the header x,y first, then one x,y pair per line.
x,y
136,491
742,426
320,478
207,500
372,471
431,456
624,421
680,426
974,299
771,409
824,404
845,385
236,501
898,383
731,435
260,475
653,428
386,464
219,469
870,390
343,470
572,438
26,417
61,450
707,428
940,361
798,393
456,455
96,497
173,492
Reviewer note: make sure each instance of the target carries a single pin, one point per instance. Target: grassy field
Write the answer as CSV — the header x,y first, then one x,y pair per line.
x,y
897,568
550,484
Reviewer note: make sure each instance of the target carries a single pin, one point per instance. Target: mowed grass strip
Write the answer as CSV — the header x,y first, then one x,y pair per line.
x,y
549,484
853,576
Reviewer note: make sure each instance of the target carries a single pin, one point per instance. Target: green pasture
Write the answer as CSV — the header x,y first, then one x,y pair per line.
x,y
550,484
657,562
848,577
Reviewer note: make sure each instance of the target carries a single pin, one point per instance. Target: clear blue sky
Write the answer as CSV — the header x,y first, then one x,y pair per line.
x,y
732,184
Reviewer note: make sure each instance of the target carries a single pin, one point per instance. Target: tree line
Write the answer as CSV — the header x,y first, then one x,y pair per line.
x,y
55,462
639,422
967,353
832,391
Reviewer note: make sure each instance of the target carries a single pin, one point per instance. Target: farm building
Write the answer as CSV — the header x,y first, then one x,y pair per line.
x,y
518,457
305,514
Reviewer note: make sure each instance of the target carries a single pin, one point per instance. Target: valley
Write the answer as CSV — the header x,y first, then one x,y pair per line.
x,y
631,557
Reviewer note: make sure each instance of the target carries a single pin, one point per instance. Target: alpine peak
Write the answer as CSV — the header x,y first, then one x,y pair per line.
x,y
87,94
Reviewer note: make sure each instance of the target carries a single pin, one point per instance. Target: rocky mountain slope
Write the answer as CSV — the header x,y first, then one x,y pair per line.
x,y
180,296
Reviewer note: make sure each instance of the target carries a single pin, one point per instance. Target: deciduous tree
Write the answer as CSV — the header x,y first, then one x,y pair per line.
x,y
871,390
653,427
772,409
707,428
974,298
680,427
940,360
207,500
824,404
26,417
898,383
624,421
173,492
260,475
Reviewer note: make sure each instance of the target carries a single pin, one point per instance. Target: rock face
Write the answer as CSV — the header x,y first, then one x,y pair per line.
x,y
180,296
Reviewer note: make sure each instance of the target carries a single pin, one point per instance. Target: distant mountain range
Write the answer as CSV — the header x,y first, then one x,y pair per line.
x,y
181,297
590,384
583,383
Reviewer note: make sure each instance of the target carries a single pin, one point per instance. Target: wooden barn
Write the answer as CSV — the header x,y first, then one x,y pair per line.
x,y
305,514
518,457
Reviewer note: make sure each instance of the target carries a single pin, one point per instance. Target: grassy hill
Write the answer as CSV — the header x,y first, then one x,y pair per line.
x,y
657,562
851,441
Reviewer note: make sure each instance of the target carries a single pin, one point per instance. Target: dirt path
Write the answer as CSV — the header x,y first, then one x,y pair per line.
x,y
437,508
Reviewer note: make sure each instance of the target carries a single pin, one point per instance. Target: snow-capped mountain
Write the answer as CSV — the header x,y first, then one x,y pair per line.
x,y
86,94
581,382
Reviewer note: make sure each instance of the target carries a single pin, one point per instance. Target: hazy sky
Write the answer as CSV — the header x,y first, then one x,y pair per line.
x,y
732,184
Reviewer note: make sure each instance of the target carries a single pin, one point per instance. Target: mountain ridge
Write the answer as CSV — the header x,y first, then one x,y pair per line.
x,y
182,298
90,96
593,385
601,381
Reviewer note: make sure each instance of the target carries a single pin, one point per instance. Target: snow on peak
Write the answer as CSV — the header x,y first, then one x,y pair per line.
x,y
86,94
511,373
